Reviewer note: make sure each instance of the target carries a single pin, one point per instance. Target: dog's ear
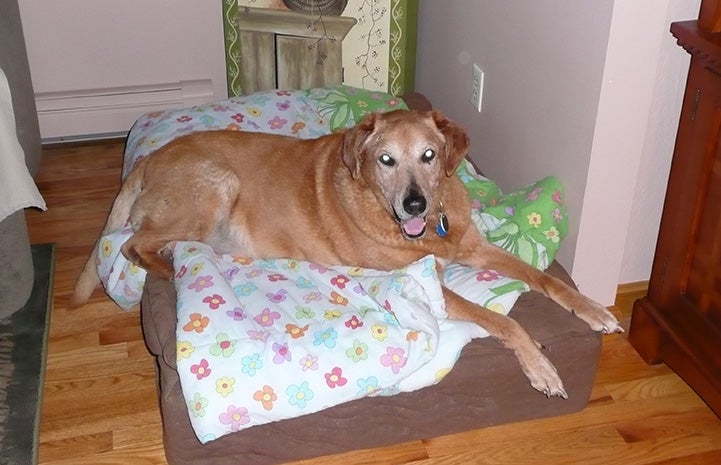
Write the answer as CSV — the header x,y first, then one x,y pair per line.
x,y
457,141
354,141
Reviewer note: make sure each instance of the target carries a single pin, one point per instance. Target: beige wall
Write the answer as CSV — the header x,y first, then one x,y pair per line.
x,y
543,64
78,46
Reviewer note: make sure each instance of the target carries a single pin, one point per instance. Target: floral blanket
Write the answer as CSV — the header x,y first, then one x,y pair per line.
x,y
263,340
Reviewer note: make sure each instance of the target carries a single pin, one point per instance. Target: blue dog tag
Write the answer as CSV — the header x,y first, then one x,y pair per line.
x,y
442,226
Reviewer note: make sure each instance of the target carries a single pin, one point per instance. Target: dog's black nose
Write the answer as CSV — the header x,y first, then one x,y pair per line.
x,y
414,203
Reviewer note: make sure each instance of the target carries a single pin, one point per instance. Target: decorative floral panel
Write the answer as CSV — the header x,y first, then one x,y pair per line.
x,y
378,52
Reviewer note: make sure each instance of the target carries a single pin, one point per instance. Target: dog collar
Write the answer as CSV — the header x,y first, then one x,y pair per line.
x,y
442,226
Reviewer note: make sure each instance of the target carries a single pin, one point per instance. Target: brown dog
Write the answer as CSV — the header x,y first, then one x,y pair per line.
x,y
364,197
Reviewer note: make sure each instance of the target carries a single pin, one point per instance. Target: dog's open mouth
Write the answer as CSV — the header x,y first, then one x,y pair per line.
x,y
413,227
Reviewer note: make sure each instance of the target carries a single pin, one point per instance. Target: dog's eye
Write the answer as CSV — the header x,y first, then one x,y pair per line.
x,y
428,155
387,160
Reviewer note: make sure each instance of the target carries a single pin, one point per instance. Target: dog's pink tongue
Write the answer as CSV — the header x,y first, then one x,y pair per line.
x,y
414,226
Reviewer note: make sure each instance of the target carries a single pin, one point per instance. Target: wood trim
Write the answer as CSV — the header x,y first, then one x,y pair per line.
x,y
294,24
710,16
701,44
627,294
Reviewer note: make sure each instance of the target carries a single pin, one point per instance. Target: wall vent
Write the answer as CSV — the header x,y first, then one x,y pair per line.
x,y
94,113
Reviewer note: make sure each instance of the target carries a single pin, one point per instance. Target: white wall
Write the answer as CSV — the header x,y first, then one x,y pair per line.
x,y
80,45
637,119
658,144
587,91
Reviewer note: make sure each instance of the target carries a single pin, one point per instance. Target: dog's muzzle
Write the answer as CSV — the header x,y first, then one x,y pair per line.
x,y
414,204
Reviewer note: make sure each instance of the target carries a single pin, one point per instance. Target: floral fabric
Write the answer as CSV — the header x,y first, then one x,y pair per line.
x,y
264,340
304,114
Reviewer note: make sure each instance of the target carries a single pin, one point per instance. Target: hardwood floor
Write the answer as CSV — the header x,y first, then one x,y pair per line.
x,y
100,400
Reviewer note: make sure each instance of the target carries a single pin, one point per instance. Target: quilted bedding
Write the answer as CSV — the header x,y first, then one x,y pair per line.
x,y
263,340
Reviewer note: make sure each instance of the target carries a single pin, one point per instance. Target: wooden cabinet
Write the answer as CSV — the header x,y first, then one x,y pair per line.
x,y
287,50
679,321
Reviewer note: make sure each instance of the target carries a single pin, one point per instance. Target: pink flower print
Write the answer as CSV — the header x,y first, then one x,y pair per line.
x,y
184,119
214,301
557,215
201,370
309,362
394,358
230,273
253,273
533,195
557,197
277,123
319,268
275,277
335,378
354,323
267,317
181,272
201,282
358,289
239,117
237,314
282,353
487,275
283,106
313,297
340,281
258,335
235,417
278,297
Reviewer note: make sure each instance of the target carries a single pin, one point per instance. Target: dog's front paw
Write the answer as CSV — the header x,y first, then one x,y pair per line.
x,y
543,376
597,316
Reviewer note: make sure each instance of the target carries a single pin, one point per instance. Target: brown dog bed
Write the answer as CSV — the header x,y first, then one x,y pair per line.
x,y
486,387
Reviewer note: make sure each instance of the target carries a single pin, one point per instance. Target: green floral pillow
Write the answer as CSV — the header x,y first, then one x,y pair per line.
x,y
344,106
530,222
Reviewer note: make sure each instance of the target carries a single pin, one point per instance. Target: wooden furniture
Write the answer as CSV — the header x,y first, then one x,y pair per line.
x,y
679,321
287,50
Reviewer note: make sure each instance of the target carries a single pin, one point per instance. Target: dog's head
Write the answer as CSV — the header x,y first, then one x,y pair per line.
x,y
403,156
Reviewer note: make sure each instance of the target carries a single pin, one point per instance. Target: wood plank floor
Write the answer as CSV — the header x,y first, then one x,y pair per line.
x,y
100,401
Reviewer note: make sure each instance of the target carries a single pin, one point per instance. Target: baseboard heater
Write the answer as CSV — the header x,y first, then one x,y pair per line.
x,y
98,113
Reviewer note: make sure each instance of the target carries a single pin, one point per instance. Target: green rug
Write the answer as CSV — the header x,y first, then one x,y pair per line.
x,y
23,343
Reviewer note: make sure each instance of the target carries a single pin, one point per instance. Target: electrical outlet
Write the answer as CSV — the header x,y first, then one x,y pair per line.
x,y
477,88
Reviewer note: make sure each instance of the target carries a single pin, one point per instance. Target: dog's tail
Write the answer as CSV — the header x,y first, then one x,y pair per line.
x,y
88,279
